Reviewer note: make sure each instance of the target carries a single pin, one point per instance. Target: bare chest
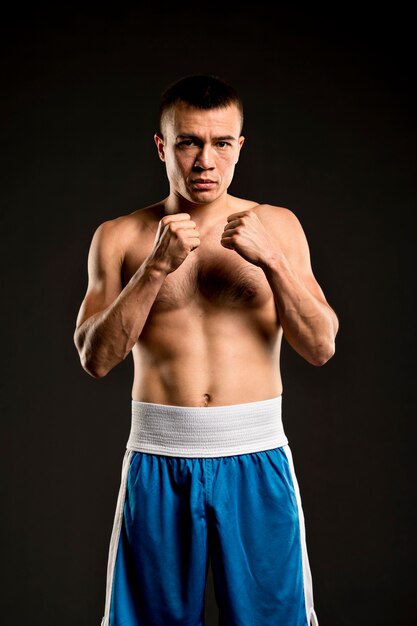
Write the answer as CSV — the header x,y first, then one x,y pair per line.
x,y
211,274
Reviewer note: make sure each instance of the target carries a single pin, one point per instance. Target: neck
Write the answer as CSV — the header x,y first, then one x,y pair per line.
x,y
176,203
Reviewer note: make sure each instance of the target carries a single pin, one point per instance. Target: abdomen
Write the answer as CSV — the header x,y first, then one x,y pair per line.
x,y
199,356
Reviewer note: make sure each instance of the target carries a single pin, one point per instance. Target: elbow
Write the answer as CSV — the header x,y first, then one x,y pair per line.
x,y
87,360
322,354
326,346
94,370
91,365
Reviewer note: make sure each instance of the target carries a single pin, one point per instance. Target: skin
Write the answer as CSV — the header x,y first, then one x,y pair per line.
x,y
202,285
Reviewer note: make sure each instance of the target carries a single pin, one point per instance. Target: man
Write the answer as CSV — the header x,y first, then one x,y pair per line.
x,y
201,287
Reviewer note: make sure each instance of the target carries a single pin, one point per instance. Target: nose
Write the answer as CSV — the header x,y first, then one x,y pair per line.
x,y
204,159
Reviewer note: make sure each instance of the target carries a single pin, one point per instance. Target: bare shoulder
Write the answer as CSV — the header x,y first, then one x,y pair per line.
x,y
283,215
285,228
277,219
117,233
281,221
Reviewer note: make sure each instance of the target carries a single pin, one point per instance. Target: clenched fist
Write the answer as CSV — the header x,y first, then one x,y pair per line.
x,y
245,233
176,237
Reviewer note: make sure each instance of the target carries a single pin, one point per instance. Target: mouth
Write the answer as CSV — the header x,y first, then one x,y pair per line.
x,y
203,183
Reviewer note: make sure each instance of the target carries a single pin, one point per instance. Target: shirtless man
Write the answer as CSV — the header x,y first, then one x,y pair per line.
x,y
201,287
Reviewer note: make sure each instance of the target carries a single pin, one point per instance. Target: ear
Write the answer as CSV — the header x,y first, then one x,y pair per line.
x,y
240,142
159,140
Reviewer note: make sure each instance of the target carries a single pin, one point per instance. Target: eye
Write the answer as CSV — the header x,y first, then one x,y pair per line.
x,y
223,144
186,143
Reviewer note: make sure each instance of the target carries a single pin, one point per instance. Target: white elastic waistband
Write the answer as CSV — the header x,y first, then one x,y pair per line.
x,y
206,431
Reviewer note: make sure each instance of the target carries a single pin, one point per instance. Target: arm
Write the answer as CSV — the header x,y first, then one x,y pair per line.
x,y
280,248
111,319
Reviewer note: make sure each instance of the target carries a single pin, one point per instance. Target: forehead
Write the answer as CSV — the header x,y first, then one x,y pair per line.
x,y
184,119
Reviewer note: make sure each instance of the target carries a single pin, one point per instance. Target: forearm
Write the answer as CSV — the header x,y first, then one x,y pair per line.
x,y
308,323
106,338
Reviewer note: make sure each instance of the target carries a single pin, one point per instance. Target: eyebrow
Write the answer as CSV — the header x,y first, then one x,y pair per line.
x,y
222,138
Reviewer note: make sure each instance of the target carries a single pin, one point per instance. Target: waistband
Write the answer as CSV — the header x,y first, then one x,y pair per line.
x,y
206,431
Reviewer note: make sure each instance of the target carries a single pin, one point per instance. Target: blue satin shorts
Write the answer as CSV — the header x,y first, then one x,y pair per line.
x,y
243,513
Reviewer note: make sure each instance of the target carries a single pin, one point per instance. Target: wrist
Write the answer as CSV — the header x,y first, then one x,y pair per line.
x,y
272,262
154,270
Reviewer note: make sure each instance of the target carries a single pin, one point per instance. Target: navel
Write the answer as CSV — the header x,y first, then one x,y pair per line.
x,y
206,399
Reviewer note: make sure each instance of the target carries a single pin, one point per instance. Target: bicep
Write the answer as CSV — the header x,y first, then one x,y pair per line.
x,y
104,272
298,254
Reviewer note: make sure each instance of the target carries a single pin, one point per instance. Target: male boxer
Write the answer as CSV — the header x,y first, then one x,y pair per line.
x,y
200,287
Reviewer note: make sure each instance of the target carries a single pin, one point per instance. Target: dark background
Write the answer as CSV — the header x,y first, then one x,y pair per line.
x,y
330,133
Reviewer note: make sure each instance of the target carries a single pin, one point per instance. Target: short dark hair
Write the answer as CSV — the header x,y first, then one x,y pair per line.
x,y
202,92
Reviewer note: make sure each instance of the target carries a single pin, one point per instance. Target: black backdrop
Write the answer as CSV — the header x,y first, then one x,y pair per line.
x,y
330,133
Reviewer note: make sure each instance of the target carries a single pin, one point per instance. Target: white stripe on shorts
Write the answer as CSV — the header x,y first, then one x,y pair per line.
x,y
308,584
115,535
206,431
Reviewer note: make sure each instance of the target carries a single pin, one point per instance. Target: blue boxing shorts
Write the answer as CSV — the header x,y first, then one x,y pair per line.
x,y
201,485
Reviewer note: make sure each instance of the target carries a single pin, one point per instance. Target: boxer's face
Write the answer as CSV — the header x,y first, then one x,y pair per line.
x,y
200,145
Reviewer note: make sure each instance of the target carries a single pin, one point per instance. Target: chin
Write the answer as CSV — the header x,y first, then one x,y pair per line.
x,y
204,196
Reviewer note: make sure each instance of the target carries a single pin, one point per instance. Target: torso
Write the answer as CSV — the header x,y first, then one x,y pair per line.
x,y
212,336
